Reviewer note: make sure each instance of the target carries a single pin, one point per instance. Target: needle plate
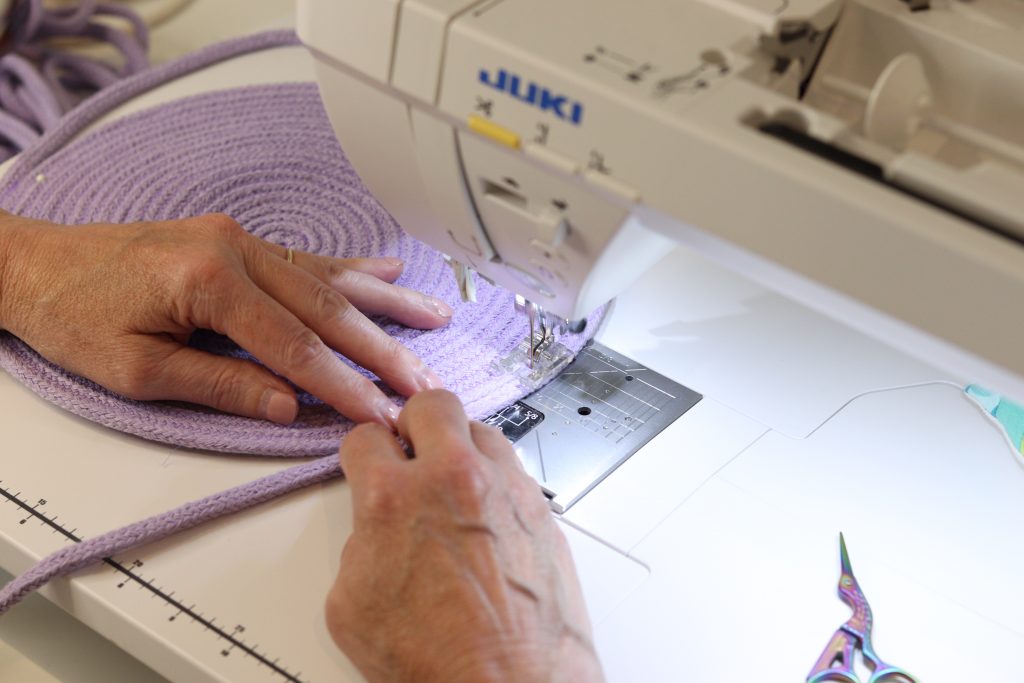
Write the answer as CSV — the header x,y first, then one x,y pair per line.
x,y
600,410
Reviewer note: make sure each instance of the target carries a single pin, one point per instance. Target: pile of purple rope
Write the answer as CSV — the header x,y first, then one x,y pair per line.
x,y
40,80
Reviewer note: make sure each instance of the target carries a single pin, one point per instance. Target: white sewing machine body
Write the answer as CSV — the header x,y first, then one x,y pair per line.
x,y
711,554
560,149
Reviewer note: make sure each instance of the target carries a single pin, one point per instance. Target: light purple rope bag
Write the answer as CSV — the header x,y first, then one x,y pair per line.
x,y
267,156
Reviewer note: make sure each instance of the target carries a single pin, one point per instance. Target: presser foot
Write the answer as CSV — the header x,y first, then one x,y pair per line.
x,y
534,361
544,328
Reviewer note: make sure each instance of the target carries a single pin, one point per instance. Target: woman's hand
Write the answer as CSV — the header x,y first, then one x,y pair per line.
x,y
455,571
117,304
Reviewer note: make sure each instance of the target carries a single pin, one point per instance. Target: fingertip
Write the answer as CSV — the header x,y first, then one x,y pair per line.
x,y
442,309
382,413
379,411
427,379
478,427
388,414
359,434
419,319
278,406
435,313
369,438
386,269
433,407
491,441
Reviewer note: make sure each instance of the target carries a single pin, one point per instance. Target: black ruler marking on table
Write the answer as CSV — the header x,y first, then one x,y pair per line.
x,y
187,610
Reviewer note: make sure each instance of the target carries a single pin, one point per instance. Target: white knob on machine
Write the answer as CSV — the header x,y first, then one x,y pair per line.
x,y
898,102
552,228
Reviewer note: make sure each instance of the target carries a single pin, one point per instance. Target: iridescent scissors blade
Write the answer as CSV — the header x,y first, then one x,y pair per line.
x,y
844,557
836,662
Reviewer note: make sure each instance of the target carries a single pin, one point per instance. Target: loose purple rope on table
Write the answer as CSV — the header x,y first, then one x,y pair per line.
x,y
72,558
117,94
39,82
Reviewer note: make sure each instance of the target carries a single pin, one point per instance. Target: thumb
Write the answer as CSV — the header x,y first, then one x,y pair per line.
x,y
232,385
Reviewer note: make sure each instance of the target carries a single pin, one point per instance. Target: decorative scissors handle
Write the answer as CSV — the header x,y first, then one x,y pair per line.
x,y
836,663
880,671
837,659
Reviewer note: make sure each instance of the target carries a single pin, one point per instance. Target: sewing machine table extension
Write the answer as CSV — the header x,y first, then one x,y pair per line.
x,y
800,413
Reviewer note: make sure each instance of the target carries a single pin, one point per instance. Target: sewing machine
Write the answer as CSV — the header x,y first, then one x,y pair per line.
x,y
863,158
806,235
870,150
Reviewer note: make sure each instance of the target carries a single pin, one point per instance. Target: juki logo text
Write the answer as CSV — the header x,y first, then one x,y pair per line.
x,y
535,95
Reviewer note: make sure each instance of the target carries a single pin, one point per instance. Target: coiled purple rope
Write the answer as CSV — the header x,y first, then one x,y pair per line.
x,y
39,82
267,156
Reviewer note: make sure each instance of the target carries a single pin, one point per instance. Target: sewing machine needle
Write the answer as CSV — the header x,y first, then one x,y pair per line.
x,y
532,315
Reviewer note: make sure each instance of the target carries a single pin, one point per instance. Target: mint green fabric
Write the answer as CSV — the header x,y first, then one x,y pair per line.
x,y
1009,414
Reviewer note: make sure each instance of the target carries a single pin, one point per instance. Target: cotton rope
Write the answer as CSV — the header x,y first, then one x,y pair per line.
x,y
267,156
41,77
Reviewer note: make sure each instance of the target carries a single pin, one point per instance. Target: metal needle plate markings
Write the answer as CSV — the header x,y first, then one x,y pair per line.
x,y
574,431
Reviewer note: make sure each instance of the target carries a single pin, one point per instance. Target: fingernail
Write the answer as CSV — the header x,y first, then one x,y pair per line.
x,y
395,262
279,407
389,412
440,307
427,379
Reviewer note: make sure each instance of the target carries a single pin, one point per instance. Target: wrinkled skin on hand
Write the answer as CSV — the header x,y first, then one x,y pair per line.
x,y
117,304
455,570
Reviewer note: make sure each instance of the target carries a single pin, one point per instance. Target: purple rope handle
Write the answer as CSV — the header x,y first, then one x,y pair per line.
x,y
93,550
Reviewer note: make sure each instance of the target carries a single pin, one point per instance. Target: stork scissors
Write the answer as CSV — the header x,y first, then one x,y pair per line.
x,y
836,660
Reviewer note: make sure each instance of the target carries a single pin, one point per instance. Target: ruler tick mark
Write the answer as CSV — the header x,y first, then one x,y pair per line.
x,y
130,575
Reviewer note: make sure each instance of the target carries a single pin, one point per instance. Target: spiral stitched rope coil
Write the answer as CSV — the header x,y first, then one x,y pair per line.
x,y
267,156
40,80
